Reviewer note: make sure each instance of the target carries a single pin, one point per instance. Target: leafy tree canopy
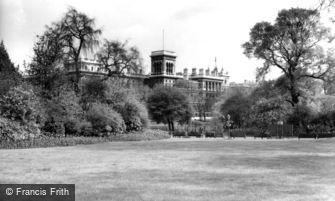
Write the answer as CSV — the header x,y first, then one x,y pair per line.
x,y
117,59
46,67
9,75
167,105
292,44
236,106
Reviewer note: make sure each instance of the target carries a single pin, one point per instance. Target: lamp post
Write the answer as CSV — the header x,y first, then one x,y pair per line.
x,y
281,123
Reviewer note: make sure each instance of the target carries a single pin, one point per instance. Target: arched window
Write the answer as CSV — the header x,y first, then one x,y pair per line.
x,y
157,67
169,68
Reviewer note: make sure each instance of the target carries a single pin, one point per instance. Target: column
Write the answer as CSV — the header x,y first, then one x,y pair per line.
x,y
163,69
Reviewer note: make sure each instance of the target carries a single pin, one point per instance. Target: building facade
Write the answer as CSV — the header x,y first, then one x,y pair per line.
x,y
163,71
163,68
203,87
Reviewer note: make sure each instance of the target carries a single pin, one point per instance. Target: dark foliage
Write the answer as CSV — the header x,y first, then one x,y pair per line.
x,y
168,105
292,45
9,75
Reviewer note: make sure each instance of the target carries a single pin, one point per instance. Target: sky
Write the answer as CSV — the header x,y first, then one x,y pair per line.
x,y
197,30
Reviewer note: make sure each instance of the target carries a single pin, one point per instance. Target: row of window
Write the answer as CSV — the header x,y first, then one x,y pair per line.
x,y
157,68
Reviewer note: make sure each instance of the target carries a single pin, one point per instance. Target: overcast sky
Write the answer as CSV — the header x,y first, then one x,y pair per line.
x,y
197,30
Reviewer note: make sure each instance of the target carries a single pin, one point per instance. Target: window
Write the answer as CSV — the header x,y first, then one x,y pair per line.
x,y
157,67
169,68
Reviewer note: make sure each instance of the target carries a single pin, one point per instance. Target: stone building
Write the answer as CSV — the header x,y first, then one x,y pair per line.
x,y
92,68
163,68
203,86
163,71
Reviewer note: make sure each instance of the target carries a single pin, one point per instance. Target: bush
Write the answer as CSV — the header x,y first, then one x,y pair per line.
x,y
72,127
104,120
93,91
78,128
134,114
14,130
302,116
53,127
20,114
71,141
145,134
21,104
64,113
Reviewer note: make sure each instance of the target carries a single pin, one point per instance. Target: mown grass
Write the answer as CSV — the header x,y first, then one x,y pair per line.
x,y
44,141
183,169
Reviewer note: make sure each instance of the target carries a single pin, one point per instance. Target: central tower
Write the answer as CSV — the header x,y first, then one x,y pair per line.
x,y
163,62
163,68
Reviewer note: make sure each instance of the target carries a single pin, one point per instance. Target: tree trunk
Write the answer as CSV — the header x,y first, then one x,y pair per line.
x,y
293,91
77,76
172,126
169,126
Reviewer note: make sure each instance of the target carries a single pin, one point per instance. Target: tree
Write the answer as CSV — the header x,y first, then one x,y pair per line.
x,y
105,120
266,89
325,4
117,59
168,105
80,35
291,44
236,106
46,67
203,103
93,90
267,112
302,117
9,76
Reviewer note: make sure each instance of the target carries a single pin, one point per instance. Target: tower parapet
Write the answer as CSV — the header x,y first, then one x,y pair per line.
x,y
163,68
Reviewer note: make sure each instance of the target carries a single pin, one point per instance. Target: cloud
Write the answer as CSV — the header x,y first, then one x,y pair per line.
x,y
12,17
189,12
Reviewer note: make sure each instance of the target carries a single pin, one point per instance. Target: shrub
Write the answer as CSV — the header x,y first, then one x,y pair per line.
x,y
14,130
64,112
302,116
71,141
21,104
134,114
54,127
104,120
93,91
72,127
75,127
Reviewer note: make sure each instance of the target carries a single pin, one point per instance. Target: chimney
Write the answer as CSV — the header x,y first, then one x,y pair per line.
x,y
194,71
185,71
207,72
201,71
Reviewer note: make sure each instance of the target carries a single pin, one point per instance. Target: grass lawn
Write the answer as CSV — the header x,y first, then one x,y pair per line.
x,y
182,169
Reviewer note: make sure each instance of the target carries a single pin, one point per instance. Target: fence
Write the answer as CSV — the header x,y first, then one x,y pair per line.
x,y
198,129
279,131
